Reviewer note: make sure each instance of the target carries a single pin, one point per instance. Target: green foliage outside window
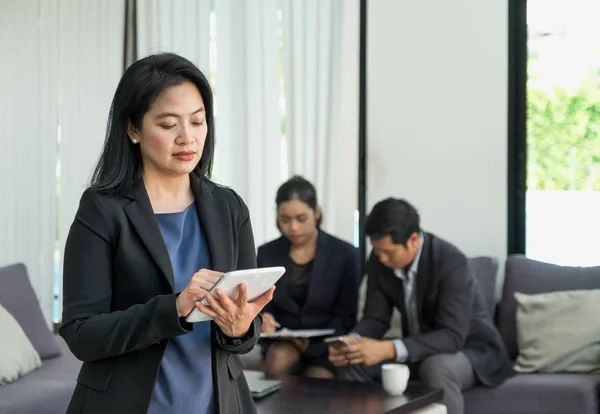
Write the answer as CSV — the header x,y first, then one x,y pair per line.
x,y
563,138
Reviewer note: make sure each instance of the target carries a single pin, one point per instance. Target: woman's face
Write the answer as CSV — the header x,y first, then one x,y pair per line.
x,y
173,131
297,221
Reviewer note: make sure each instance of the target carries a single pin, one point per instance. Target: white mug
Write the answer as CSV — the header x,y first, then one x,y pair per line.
x,y
394,378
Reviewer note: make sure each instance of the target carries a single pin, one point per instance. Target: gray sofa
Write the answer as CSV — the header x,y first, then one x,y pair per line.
x,y
48,389
525,393
534,393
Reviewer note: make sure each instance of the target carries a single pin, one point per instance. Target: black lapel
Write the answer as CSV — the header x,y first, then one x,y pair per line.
x,y
215,217
141,216
423,273
282,253
319,271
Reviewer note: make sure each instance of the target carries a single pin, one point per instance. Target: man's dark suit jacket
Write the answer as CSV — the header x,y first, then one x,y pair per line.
x,y
332,300
119,303
450,310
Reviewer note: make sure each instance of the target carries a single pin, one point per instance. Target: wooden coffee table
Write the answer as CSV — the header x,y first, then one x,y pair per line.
x,y
305,395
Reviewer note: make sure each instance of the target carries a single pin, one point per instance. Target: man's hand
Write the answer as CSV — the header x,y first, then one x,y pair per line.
x,y
369,351
339,349
365,351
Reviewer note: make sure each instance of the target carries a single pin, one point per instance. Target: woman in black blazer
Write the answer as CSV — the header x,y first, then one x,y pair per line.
x,y
319,289
139,251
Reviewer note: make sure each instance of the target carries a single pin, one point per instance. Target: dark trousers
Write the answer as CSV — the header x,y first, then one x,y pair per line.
x,y
451,373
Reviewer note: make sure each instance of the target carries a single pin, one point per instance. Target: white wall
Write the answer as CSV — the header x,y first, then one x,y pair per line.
x,y
345,174
437,115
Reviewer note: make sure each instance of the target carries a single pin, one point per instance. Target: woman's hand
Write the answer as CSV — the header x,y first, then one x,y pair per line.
x,y
269,324
302,344
197,288
234,317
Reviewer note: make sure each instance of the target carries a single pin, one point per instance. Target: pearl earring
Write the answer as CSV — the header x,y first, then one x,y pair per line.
x,y
135,141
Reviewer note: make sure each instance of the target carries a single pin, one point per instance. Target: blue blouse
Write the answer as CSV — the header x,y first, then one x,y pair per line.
x,y
185,383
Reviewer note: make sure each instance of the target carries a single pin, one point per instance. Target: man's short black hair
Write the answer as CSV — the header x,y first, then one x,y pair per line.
x,y
392,217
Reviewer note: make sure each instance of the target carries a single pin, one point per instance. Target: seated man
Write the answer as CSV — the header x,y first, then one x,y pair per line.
x,y
449,339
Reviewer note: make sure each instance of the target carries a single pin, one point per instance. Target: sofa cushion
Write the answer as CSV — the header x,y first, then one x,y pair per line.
x,y
551,336
486,274
46,390
18,356
18,297
530,277
537,393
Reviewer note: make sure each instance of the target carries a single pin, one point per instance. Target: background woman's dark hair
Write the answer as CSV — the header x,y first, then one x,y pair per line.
x,y
297,188
121,162
392,217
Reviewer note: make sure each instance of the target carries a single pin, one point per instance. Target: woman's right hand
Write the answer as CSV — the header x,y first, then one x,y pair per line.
x,y
269,324
197,288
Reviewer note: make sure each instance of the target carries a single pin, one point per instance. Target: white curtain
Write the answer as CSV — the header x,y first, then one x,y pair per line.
x,y
178,26
90,55
312,57
237,44
28,113
248,124
63,62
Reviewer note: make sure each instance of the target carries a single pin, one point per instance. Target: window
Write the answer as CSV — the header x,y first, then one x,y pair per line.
x,y
563,131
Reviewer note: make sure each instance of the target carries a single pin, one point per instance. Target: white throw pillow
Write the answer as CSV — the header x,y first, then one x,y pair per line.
x,y
559,332
17,355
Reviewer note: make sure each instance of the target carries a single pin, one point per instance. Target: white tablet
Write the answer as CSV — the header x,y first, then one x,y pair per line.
x,y
298,333
258,282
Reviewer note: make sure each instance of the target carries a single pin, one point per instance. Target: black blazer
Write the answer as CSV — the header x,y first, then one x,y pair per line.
x,y
450,309
119,307
332,300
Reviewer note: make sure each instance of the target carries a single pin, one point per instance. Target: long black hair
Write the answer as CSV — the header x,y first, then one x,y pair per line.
x,y
298,188
121,161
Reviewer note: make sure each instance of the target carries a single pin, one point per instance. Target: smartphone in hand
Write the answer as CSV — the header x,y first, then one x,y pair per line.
x,y
335,340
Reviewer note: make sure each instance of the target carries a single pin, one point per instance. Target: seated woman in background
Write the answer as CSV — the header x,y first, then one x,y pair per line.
x,y
318,291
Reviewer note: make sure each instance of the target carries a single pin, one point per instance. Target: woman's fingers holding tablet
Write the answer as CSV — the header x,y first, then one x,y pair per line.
x,y
201,282
234,317
225,302
215,304
206,279
242,297
260,302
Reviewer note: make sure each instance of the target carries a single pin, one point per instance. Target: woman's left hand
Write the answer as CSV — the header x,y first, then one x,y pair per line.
x,y
302,344
234,317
